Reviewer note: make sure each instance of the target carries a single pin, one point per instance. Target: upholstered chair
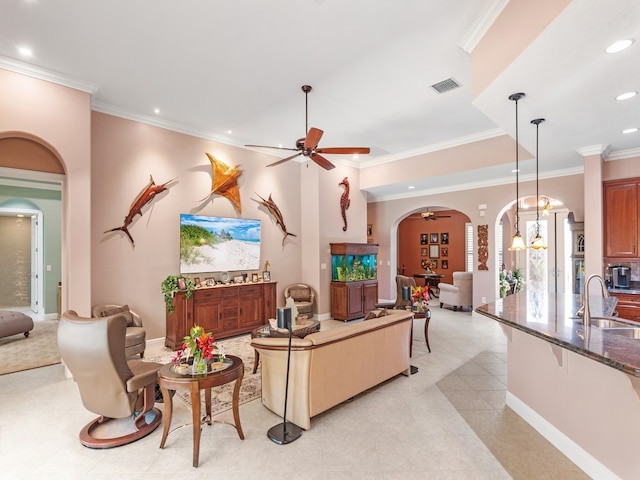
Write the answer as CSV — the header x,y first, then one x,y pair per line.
x,y
303,297
93,349
136,335
460,294
401,281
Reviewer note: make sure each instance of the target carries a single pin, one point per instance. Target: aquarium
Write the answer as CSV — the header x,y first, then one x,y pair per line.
x,y
353,262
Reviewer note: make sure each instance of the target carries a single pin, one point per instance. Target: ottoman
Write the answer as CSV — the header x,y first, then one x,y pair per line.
x,y
12,323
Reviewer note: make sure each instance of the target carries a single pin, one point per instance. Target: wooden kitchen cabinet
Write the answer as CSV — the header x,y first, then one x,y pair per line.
x,y
620,204
628,307
224,311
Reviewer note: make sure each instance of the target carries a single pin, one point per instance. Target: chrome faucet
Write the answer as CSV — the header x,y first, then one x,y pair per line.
x,y
586,315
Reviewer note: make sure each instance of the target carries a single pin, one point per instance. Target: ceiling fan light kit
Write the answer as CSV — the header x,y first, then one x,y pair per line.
x,y
308,146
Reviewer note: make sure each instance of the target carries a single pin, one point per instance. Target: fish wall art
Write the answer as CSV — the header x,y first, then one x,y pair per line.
x,y
146,195
275,211
224,182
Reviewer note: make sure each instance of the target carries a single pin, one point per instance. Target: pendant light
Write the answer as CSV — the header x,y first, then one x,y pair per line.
x,y
537,243
517,242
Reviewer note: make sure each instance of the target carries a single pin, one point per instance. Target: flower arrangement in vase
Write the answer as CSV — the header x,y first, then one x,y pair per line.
x,y
201,346
420,298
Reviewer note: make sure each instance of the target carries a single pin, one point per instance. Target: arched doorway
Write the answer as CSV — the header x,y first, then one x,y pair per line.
x,y
31,177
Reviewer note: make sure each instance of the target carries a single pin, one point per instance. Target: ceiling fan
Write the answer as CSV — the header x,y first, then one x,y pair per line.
x,y
308,146
432,215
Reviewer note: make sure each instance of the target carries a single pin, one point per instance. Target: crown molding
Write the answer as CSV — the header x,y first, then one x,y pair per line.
x,y
474,185
47,75
599,149
460,141
481,25
623,154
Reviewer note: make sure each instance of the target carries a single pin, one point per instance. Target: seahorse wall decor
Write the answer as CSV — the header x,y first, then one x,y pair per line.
x,y
145,196
224,181
275,211
344,201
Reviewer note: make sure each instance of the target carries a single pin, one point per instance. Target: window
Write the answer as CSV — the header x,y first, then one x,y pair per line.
x,y
469,246
500,242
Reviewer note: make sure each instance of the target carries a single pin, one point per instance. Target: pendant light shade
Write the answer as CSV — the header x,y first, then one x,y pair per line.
x,y
517,243
537,243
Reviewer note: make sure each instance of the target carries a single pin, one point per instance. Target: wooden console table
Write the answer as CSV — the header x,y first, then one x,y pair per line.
x,y
224,310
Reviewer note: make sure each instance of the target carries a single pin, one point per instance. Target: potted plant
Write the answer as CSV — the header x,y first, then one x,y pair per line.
x,y
171,285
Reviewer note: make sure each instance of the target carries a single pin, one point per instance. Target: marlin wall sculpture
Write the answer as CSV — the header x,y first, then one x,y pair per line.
x,y
275,211
145,196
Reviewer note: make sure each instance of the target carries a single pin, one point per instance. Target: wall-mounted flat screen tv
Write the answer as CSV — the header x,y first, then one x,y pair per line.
x,y
218,244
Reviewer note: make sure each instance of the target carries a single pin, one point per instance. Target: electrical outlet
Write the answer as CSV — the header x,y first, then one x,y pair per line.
x,y
484,300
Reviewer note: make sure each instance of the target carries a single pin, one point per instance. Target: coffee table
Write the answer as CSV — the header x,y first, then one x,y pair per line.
x,y
169,380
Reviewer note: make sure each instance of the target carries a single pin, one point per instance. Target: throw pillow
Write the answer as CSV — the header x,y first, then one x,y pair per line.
x,y
124,309
376,313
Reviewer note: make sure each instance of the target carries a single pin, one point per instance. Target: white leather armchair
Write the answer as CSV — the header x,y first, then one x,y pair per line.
x,y
460,294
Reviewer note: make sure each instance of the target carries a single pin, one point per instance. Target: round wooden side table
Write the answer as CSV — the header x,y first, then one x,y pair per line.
x,y
170,380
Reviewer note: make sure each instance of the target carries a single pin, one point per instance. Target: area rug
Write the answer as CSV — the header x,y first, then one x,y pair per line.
x,y
221,396
40,349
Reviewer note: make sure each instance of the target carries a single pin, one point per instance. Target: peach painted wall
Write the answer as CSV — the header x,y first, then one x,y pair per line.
x,y
386,216
519,23
618,169
59,118
125,153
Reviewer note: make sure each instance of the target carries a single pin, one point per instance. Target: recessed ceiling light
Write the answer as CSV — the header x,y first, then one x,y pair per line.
x,y
411,187
515,170
25,51
156,110
229,132
356,156
630,130
626,95
619,46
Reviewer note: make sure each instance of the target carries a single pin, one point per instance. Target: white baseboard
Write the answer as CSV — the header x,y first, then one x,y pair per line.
x,y
572,450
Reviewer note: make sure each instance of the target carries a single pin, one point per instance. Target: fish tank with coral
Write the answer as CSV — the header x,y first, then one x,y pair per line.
x,y
354,262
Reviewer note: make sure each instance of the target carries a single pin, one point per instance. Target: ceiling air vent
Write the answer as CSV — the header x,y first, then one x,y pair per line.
x,y
445,85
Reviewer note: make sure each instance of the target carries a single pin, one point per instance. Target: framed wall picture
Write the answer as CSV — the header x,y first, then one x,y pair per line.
x,y
182,284
369,230
423,263
266,276
445,264
444,251
434,238
444,238
434,251
434,264
424,252
423,238
254,277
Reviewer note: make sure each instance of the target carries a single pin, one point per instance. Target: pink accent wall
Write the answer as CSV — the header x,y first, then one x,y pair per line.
x,y
516,27
59,118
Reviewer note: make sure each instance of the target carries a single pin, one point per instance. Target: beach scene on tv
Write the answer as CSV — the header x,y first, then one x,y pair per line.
x,y
218,244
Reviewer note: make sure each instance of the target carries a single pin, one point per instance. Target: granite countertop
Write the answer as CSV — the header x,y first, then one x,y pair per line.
x,y
553,319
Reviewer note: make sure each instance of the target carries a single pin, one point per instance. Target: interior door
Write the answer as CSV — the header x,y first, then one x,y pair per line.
x,y
34,263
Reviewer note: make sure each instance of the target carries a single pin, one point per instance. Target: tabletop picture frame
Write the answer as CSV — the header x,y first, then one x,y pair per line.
x,y
254,277
182,283
266,276
238,279
434,251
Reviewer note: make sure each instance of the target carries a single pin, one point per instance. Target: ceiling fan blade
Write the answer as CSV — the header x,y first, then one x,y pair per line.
x,y
312,138
323,162
284,160
344,150
277,148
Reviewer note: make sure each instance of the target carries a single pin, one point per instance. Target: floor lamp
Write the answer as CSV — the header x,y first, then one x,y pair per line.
x,y
285,432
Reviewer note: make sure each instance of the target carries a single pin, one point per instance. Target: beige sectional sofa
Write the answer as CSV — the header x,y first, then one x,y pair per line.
x,y
333,365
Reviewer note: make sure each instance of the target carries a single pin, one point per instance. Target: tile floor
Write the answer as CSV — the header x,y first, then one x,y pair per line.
x,y
448,421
